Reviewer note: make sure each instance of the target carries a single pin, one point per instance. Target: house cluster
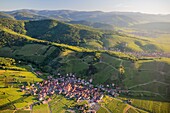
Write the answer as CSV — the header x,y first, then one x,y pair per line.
x,y
149,54
71,87
139,54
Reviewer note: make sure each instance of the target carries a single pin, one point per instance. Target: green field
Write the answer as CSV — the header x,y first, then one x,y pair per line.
x,y
113,105
30,52
150,106
59,104
43,108
11,96
149,78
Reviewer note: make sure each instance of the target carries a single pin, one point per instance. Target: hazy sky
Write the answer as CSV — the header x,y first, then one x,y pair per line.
x,y
145,6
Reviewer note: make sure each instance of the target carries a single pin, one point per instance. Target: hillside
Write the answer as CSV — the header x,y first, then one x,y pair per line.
x,y
55,31
53,57
90,38
13,100
83,36
32,50
94,24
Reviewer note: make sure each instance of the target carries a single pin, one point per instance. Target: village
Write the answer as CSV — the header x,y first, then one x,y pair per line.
x,y
154,54
72,88
149,54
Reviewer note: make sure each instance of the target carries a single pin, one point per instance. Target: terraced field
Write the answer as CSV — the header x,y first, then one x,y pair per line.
x,y
31,52
59,104
150,78
150,106
114,105
42,108
10,95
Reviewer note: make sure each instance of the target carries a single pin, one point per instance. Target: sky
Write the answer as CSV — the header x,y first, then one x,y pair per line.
x,y
143,6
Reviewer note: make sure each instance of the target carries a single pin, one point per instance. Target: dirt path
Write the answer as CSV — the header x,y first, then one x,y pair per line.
x,y
31,110
49,108
77,60
109,65
140,84
148,83
148,92
126,109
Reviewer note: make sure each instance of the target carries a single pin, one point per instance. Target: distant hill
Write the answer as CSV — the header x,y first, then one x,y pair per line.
x,y
154,26
94,24
4,15
27,16
120,19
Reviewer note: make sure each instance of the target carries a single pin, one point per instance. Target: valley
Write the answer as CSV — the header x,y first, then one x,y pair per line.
x,y
132,68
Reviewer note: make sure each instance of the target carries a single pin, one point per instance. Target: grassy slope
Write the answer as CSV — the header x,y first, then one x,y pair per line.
x,y
114,105
150,106
43,108
10,96
149,78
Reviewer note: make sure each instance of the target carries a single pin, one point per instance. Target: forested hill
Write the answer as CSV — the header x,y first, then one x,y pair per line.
x,y
83,36
52,30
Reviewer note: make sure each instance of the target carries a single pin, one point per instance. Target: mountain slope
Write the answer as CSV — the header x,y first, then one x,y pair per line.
x,y
94,24
52,30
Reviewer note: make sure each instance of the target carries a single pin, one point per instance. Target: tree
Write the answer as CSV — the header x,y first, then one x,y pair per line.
x,y
121,70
